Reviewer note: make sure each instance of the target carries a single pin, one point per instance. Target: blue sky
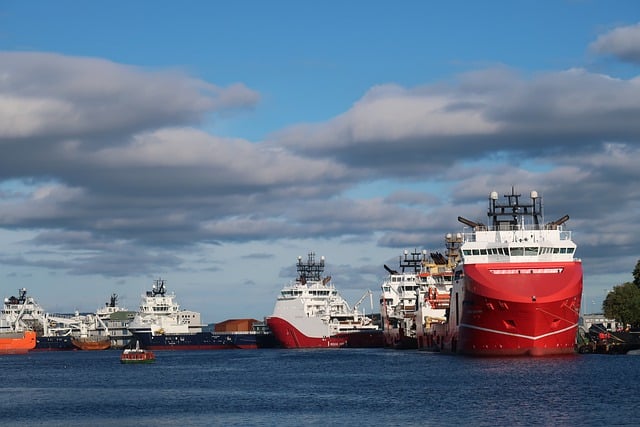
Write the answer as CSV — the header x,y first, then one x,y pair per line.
x,y
211,143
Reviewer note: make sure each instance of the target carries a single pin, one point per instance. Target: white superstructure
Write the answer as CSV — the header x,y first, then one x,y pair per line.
x,y
21,313
160,314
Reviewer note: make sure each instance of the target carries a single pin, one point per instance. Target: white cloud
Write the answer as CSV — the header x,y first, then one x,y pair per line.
x,y
622,42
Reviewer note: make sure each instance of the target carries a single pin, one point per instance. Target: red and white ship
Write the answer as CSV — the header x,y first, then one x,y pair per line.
x,y
518,287
310,313
416,295
433,304
401,290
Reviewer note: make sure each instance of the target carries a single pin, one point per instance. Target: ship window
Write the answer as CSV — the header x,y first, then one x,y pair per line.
x,y
570,250
556,250
466,252
563,250
517,251
483,251
530,250
476,252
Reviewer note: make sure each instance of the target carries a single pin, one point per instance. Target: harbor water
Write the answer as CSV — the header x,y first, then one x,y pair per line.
x,y
366,387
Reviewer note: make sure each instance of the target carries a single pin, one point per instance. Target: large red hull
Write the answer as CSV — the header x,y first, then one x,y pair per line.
x,y
288,336
519,309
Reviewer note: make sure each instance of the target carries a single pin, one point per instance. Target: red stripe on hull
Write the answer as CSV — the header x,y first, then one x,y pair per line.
x,y
520,312
290,337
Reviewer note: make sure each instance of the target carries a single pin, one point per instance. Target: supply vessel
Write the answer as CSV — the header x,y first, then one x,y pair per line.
x,y
310,313
518,287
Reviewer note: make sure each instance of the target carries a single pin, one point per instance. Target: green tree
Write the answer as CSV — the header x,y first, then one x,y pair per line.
x,y
636,274
623,303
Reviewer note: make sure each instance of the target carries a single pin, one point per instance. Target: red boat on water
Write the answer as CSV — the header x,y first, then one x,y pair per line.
x,y
310,313
518,288
137,355
17,342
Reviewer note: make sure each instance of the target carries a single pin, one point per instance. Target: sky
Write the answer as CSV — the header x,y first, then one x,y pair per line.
x,y
212,143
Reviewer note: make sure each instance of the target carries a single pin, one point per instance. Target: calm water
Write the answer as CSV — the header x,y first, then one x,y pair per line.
x,y
317,387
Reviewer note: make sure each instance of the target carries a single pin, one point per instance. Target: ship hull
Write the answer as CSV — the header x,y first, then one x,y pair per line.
x,y
397,339
518,309
17,343
91,345
288,336
63,343
203,341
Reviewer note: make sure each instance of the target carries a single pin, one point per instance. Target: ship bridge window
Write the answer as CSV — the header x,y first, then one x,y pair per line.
x,y
475,251
556,250
517,251
570,250
531,251
467,252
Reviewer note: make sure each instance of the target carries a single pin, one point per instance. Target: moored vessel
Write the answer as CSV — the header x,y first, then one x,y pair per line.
x,y
401,290
21,314
416,295
310,313
56,332
433,303
91,343
518,287
160,324
17,342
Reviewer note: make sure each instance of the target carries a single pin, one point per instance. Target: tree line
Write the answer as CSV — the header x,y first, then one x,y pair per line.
x,y
623,302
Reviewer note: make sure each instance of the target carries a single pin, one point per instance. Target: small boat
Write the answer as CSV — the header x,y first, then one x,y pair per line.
x,y
137,355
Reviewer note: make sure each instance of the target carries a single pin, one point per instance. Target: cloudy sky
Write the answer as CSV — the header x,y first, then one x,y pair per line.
x,y
211,143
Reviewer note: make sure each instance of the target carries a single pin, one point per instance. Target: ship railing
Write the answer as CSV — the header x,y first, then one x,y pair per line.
x,y
470,236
